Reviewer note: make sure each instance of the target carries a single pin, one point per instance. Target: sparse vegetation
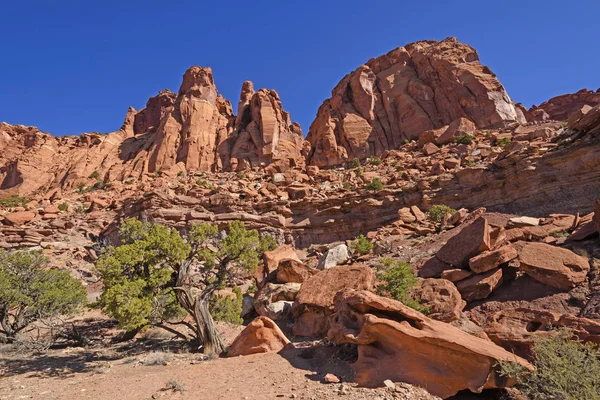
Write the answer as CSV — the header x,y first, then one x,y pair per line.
x,y
240,175
375,185
375,160
347,185
463,139
436,213
559,233
14,201
358,172
205,184
226,308
398,282
94,175
64,207
362,245
157,358
502,142
565,369
267,243
129,181
180,174
157,276
355,163
175,386
31,292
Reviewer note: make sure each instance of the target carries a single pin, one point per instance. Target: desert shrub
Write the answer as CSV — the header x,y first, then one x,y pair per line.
x,y
559,233
374,160
31,292
502,142
375,185
463,139
157,358
180,174
347,185
205,184
14,201
436,213
358,172
566,369
129,181
240,175
355,163
227,309
362,245
94,175
63,207
175,386
398,282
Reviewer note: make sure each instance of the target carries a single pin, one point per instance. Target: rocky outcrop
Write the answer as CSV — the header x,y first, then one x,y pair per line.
x,y
398,343
397,96
560,108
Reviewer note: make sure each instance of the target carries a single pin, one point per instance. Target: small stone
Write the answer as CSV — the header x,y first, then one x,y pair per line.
x,y
389,384
331,378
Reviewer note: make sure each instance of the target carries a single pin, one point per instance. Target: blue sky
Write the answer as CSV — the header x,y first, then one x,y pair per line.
x,y
69,67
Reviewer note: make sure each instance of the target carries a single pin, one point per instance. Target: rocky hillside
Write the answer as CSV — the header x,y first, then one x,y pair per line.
x,y
494,208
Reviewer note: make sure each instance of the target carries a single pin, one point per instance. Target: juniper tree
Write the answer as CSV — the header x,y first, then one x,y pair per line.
x,y
158,277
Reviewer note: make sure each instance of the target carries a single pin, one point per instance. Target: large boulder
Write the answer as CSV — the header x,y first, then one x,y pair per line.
x,y
398,343
260,336
489,260
470,241
19,218
314,302
480,286
290,271
551,265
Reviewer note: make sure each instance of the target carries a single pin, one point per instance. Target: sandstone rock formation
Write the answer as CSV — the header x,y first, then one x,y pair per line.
x,y
395,97
560,108
260,336
400,344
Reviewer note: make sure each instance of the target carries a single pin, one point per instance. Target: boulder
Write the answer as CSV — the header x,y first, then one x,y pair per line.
x,y
334,256
19,218
430,149
441,298
470,241
551,265
260,336
290,271
398,343
492,259
432,268
406,215
480,286
268,271
314,302
460,127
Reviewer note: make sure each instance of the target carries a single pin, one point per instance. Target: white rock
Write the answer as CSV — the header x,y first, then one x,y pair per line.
x,y
335,256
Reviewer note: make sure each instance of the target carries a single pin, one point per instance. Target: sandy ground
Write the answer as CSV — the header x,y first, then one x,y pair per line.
x,y
83,375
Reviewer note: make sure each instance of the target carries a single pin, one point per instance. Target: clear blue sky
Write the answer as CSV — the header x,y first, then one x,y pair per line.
x,y
75,66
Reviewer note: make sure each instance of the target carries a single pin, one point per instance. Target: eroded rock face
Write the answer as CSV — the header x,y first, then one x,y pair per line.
x,y
560,108
260,336
412,89
398,343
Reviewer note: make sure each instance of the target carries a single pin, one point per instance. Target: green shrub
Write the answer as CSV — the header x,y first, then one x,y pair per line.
x,y
463,139
355,163
226,309
14,201
94,175
241,175
31,292
175,386
566,369
358,172
375,160
63,207
346,185
502,142
362,245
180,174
267,243
559,233
398,283
436,213
375,185
129,181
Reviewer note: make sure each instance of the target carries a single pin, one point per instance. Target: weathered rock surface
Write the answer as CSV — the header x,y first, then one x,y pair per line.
x,y
441,297
400,344
397,96
260,336
470,241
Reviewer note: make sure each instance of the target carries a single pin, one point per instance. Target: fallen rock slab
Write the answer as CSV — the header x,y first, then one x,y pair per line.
x,y
551,265
398,343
